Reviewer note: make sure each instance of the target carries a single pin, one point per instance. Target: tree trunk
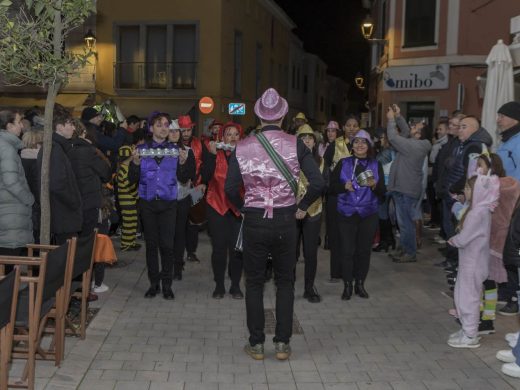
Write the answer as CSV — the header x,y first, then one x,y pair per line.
x,y
52,92
45,224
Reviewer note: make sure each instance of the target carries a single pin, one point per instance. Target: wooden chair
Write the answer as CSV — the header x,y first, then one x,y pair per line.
x,y
80,278
9,286
42,297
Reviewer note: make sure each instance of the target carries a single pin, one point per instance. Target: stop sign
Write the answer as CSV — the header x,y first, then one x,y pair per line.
x,y
206,105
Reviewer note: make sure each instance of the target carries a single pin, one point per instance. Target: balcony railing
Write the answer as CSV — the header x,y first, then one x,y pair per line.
x,y
155,75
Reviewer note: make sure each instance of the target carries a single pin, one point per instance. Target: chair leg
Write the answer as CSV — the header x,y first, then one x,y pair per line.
x,y
84,301
4,358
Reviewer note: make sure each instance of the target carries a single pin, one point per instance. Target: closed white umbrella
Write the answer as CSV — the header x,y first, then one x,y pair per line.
x,y
499,86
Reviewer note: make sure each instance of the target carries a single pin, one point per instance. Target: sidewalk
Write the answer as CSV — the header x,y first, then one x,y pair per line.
x,y
394,340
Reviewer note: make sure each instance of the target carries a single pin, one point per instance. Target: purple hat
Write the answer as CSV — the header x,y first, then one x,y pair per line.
x,y
332,125
364,135
271,106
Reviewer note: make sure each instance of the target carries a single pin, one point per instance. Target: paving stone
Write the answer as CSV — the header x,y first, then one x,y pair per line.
x,y
394,340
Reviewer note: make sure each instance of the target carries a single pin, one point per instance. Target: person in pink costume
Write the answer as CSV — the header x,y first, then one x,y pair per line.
x,y
472,241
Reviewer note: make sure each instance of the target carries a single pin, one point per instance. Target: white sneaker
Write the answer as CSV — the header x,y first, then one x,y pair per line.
x,y
100,289
511,369
512,339
439,240
464,341
456,335
506,356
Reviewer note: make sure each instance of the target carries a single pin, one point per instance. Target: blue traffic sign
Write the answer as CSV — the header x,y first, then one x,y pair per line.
x,y
237,109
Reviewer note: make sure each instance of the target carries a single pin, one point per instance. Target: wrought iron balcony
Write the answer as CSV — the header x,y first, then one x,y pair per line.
x,y
155,75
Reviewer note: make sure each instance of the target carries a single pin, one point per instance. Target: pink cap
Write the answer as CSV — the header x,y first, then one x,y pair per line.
x,y
271,106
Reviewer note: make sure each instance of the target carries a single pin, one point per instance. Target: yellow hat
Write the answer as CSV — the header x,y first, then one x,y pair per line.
x,y
301,115
305,129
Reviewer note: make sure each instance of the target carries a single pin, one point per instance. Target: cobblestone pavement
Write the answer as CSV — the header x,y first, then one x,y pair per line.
x,y
394,340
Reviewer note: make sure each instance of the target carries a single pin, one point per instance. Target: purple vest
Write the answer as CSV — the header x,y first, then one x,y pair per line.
x,y
265,187
158,178
362,201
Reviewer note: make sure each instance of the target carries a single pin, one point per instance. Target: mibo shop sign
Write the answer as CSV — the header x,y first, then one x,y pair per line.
x,y
409,78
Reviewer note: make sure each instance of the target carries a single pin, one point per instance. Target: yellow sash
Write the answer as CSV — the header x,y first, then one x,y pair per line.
x,y
340,150
316,207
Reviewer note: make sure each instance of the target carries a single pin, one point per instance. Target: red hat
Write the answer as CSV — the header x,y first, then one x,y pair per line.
x,y
228,125
216,123
185,122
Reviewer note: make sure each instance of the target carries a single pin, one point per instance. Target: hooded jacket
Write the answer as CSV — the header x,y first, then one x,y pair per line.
x,y
16,198
456,177
473,239
509,193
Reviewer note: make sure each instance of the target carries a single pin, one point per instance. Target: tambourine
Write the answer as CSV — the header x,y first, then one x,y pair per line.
x,y
159,152
363,177
226,147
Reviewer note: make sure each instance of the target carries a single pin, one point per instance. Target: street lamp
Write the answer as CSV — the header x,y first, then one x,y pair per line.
x,y
90,39
367,29
360,81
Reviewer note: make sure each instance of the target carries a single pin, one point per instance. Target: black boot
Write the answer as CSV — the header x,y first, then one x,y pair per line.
x,y
152,291
359,288
387,236
311,294
347,291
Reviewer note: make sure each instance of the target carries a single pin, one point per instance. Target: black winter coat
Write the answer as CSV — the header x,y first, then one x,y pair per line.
x,y
90,170
65,198
511,255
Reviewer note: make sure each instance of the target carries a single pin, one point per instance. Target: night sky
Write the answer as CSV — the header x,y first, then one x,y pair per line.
x,y
331,29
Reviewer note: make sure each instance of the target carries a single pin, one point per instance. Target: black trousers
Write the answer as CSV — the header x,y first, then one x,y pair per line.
x,y
334,237
159,229
90,221
12,252
192,237
179,243
357,235
262,236
61,238
309,228
511,286
223,231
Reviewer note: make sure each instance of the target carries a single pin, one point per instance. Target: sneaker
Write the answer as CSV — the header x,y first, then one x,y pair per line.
x,y
463,341
100,289
486,327
439,240
511,369
192,257
406,258
282,350
255,351
456,335
511,309
512,339
442,264
396,253
333,280
506,356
